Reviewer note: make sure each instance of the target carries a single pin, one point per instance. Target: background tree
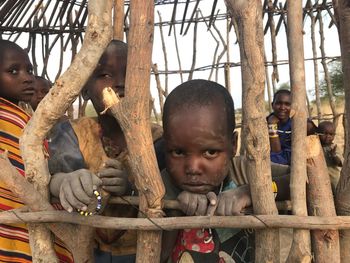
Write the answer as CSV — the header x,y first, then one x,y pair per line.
x,y
336,76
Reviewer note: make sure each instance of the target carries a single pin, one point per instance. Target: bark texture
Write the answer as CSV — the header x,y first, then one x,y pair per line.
x,y
325,243
342,10
300,251
132,113
52,107
118,20
249,18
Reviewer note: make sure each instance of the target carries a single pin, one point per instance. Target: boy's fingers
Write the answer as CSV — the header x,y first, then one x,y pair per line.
x,y
213,201
96,181
220,210
113,163
65,203
111,172
212,197
202,206
70,200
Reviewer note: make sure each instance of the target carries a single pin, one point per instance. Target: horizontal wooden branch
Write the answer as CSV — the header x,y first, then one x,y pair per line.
x,y
171,223
174,204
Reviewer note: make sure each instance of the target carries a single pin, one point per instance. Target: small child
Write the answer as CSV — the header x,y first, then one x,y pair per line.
x,y
200,141
280,127
87,147
16,85
42,87
334,160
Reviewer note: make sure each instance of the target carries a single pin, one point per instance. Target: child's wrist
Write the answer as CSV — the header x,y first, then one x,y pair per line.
x,y
273,130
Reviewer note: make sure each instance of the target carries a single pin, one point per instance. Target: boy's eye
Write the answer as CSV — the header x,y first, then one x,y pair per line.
x,y
105,75
13,71
211,153
30,71
177,153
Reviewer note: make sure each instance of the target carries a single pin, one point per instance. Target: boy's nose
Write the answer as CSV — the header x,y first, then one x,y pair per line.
x,y
193,166
28,78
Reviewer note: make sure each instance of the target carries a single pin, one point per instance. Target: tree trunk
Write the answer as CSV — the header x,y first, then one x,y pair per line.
x,y
342,9
52,107
300,251
249,17
325,243
133,115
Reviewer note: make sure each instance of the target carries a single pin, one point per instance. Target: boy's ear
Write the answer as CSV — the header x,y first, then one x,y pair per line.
x,y
234,143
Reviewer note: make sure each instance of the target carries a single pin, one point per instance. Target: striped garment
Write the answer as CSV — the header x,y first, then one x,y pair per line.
x,y
14,240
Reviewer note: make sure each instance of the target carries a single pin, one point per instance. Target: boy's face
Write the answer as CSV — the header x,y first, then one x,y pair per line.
x,y
327,134
281,106
198,148
42,87
110,72
16,76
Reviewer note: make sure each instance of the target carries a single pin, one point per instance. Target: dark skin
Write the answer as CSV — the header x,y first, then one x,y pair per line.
x,y
16,74
42,87
281,113
197,158
76,189
326,131
281,110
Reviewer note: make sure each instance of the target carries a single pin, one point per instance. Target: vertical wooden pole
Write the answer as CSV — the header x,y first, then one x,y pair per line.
x,y
342,11
52,107
118,20
132,113
249,18
325,243
314,55
326,73
300,251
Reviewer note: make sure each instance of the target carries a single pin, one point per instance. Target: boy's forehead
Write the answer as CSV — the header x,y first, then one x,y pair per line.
x,y
327,126
212,116
283,97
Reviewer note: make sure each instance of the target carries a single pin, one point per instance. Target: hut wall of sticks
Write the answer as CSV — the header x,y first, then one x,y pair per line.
x,y
58,34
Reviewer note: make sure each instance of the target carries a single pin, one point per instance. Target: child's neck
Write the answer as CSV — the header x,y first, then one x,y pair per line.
x,y
111,129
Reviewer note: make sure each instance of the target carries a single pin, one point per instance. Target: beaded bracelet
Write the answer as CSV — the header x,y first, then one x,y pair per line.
x,y
98,206
273,130
274,189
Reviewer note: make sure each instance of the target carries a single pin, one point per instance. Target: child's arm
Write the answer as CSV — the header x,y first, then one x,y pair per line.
x,y
335,157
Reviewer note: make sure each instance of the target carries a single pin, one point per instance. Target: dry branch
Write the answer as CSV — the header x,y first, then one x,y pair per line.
x,y
118,20
249,18
326,72
132,113
300,250
164,54
314,54
53,106
325,243
171,223
342,11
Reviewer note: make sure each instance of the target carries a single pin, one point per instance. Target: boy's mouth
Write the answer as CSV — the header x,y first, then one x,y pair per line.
x,y
197,187
29,91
